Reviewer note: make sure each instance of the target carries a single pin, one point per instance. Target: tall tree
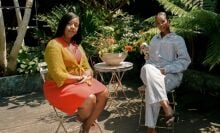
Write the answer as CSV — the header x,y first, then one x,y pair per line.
x,y
3,51
9,66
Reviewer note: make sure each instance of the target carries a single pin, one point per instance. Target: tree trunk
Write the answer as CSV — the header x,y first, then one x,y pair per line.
x,y
3,51
18,15
12,60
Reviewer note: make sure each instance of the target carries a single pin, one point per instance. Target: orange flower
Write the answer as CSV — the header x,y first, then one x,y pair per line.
x,y
128,48
110,40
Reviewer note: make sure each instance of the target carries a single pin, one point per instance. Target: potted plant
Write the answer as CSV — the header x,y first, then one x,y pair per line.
x,y
110,50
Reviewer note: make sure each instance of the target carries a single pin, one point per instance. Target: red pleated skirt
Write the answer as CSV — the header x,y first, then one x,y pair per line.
x,y
69,97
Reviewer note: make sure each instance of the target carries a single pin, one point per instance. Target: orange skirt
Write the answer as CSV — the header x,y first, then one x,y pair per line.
x,y
69,97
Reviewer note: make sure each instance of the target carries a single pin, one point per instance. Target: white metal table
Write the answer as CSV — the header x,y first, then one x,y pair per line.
x,y
117,73
115,82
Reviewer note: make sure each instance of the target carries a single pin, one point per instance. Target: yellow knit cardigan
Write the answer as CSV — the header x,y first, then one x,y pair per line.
x,y
61,61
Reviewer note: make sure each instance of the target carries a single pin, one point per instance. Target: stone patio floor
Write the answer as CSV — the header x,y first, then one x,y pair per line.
x,y
31,113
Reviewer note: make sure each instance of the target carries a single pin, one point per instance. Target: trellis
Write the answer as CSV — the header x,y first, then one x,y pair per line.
x,y
17,8
10,64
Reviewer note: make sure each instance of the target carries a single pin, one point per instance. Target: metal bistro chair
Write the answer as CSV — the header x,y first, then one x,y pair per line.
x,y
172,94
42,66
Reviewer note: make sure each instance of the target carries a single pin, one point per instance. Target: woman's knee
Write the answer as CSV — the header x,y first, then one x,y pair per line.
x,y
89,101
103,95
86,108
92,98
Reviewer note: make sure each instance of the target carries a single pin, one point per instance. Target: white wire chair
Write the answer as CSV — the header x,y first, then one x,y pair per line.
x,y
42,66
172,100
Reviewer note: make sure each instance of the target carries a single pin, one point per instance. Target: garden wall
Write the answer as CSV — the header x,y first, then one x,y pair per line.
x,y
20,84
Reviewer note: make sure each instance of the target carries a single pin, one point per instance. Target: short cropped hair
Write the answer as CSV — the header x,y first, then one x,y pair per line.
x,y
162,14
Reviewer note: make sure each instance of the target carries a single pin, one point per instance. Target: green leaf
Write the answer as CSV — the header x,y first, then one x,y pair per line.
x,y
23,66
31,63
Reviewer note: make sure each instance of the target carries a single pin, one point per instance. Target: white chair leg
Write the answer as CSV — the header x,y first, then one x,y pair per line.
x,y
141,91
61,121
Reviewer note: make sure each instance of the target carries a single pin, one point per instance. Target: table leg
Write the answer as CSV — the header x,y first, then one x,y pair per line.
x,y
118,76
112,93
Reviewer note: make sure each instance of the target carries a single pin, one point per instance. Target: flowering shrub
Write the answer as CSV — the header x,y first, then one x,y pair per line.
x,y
109,45
105,42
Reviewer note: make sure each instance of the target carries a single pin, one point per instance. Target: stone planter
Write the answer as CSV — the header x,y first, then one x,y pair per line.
x,y
113,59
20,84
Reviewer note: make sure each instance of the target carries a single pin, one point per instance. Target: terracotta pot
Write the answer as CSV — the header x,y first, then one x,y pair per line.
x,y
113,59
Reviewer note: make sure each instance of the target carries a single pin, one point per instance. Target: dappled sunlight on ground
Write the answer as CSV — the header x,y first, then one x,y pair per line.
x,y
32,113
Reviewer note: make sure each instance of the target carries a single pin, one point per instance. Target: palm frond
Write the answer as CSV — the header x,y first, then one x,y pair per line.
x,y
186,24
196,4
153,31
207,21
184,31
174,9
150,33
52,18
91,19
210,5
198,21
213,52
150,20
193,4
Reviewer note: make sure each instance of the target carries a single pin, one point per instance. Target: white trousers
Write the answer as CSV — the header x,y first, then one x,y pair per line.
x,y
157,86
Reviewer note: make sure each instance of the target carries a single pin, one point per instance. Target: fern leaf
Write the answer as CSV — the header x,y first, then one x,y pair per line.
x,y
174,9
210,5
213,52
193,4
150,20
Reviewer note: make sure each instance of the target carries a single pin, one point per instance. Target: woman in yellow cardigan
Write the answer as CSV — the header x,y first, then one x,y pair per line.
x,y
69,84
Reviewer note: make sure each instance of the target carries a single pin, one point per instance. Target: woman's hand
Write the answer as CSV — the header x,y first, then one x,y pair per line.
x,y
162,70
144,49
88,73
77,79
84,79
73,79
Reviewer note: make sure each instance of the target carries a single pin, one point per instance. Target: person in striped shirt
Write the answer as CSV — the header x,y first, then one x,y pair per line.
x,y
163,71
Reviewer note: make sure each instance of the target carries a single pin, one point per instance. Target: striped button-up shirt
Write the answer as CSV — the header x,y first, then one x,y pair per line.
x,y
169,52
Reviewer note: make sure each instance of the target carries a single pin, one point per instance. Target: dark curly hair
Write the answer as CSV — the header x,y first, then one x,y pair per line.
x,y
62,24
